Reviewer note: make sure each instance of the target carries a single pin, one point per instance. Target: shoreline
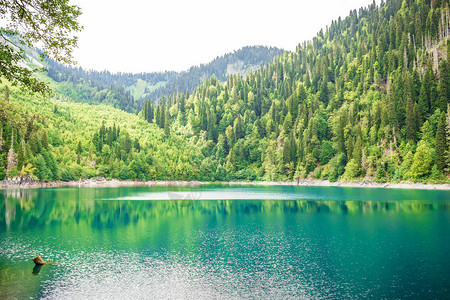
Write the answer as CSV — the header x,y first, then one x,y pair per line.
x,y
86,183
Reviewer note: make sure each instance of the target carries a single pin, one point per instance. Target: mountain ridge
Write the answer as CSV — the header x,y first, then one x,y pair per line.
x,y
136,87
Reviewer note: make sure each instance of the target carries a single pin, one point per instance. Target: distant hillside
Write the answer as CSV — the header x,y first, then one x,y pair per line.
x,y
239,62
127,90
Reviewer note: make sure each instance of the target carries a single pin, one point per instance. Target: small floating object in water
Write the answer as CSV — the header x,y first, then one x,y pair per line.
x,y
38,260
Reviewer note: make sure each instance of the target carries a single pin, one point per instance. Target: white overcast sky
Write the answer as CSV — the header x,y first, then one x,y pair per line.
x,y
147,36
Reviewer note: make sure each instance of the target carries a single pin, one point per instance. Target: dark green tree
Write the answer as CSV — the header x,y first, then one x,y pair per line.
x,y
444,86
426,93
441,143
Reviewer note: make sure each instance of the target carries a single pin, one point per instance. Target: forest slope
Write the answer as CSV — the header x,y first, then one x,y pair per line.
x,y
366,98
54,140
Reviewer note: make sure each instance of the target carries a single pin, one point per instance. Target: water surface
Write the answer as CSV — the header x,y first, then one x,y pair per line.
x,y
225,242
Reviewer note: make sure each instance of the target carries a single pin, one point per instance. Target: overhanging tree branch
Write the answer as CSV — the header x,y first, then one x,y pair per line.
x,y
49,24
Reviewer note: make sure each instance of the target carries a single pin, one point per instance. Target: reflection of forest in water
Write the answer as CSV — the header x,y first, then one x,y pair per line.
x,y
40,208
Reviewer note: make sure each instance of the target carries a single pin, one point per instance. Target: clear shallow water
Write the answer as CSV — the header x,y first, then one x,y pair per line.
x,y
221,242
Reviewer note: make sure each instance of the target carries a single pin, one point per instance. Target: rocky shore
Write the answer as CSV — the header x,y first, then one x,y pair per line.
x,y
360,184
28,183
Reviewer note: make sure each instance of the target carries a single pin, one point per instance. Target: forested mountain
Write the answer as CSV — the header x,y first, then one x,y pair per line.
x,y
367,98
128,90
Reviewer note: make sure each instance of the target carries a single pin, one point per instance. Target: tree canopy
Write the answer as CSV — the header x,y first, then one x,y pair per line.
x,y
25,24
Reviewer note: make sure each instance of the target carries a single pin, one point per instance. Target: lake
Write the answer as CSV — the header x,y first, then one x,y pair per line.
x,y
213,241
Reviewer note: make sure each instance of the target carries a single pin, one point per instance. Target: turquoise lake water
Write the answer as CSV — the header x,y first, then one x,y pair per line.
x,y
209,242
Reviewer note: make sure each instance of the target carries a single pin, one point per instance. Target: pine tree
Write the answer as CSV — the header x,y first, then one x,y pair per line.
x,y
410,122
41,171
323,93
145,110
444,86
44,140
211,126
158,115
357,155
166,121
182,111
79,151
425,97
237,127
162,115
441,143
79,148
